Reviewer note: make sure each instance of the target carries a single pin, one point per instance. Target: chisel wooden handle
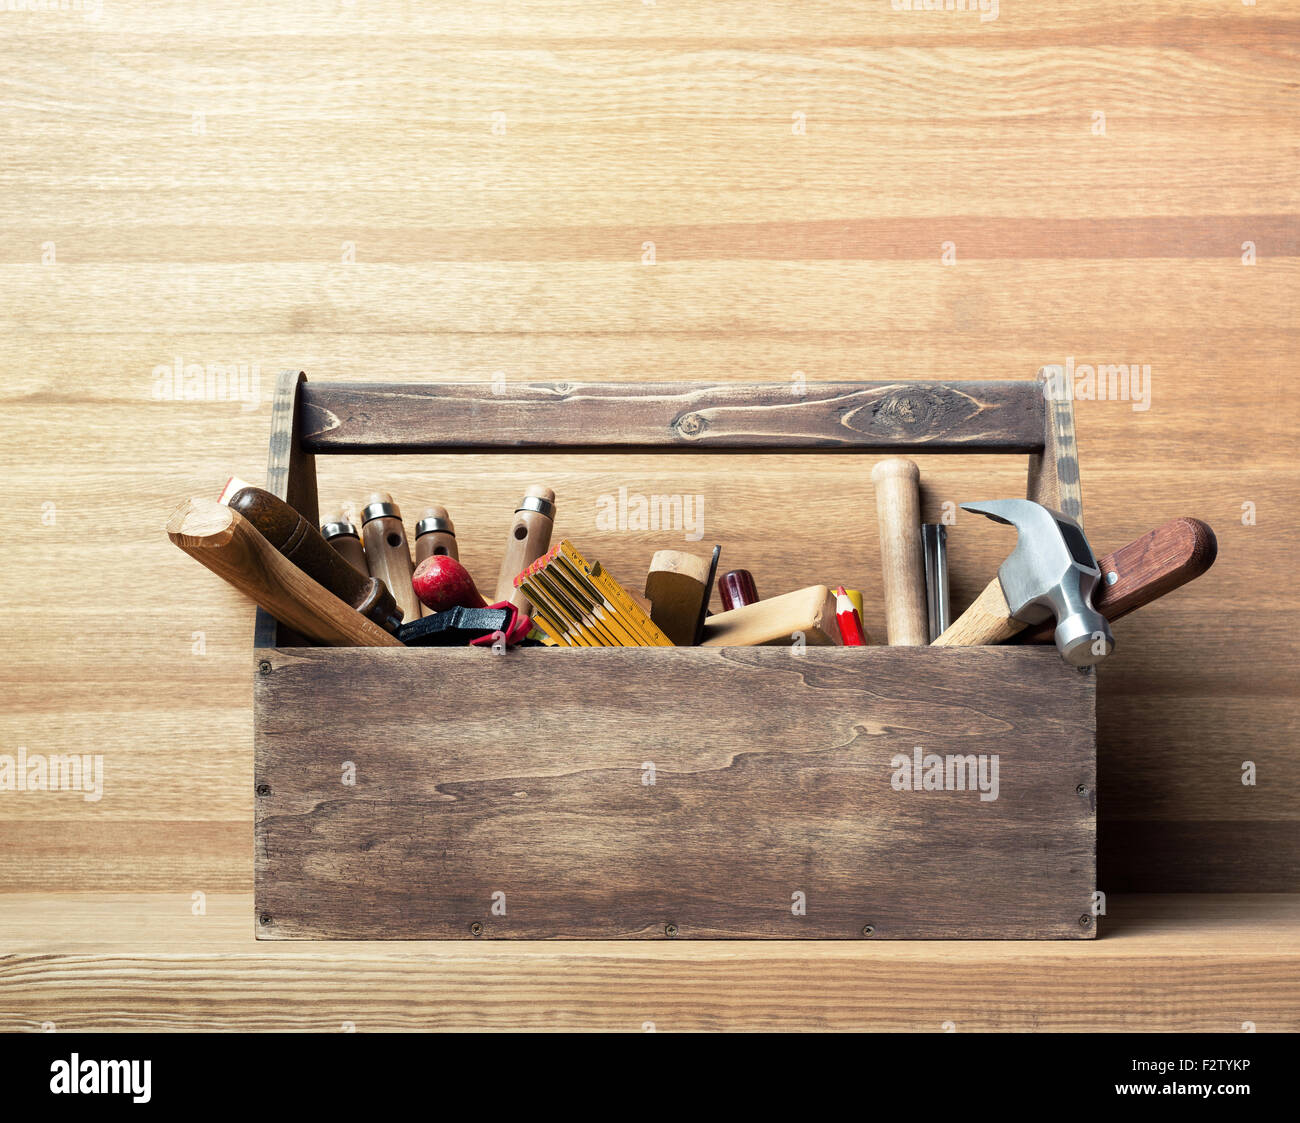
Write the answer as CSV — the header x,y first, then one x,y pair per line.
x,y
530,538
228,544
388,555
1148,567
435,536
435,533
299,541
345,540
898,511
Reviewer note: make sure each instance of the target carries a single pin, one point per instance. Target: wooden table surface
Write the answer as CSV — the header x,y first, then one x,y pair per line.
x,y
670,190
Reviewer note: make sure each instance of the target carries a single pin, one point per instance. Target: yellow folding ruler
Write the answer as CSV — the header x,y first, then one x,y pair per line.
x,y
578,604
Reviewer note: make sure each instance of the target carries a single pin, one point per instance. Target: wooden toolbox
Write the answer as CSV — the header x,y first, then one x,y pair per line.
x,y
781,819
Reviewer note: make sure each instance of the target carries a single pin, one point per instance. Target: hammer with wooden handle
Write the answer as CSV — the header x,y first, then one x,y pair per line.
x,y
228,544
1159,562
1051,573
898,511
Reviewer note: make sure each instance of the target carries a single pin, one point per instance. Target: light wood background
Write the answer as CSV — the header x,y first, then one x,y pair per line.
x,y
184,181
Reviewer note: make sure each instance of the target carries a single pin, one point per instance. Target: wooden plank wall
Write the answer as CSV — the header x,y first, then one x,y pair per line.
x,y
828,191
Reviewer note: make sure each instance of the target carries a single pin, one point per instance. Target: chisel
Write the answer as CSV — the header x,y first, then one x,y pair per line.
x,y
387,554
340,533
934,545
530,538
435,534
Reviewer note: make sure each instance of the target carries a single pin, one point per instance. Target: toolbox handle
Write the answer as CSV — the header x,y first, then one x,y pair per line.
x,y
1028,416
800,416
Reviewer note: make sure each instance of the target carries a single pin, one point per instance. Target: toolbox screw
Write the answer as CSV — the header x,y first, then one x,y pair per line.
x,y
1085,921
1112,577
263,789
476,929
869,930
670,930
264,919
264,667
1080,790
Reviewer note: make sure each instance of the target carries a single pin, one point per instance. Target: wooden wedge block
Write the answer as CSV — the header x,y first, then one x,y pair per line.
x,y
675,587
810,611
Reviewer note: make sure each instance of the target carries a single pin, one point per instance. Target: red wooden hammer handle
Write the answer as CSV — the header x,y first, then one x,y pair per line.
x,y
1147,568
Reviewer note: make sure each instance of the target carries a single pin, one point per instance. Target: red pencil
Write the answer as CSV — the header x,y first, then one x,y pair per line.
x,y
846,616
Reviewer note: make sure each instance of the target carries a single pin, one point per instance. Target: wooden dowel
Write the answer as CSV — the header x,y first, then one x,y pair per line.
x,y
898,510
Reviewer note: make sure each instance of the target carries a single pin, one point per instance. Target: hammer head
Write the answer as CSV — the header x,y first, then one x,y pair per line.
x,y
1051,572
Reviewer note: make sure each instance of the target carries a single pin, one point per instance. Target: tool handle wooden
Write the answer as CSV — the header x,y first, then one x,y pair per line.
x,y
898,511
433,542
737,589
529,539
228,544
987,620
388,556
351,551
1147,568
299,541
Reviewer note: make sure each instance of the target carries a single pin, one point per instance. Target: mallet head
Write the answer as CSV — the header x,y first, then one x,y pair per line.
x,y
1051,572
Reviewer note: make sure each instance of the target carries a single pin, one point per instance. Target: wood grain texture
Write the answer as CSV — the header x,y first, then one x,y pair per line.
x,y
291,476
1054,479
1168,963
628,804
222,240
852,417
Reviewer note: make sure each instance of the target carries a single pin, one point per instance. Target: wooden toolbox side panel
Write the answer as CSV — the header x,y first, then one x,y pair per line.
x,y
640,793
